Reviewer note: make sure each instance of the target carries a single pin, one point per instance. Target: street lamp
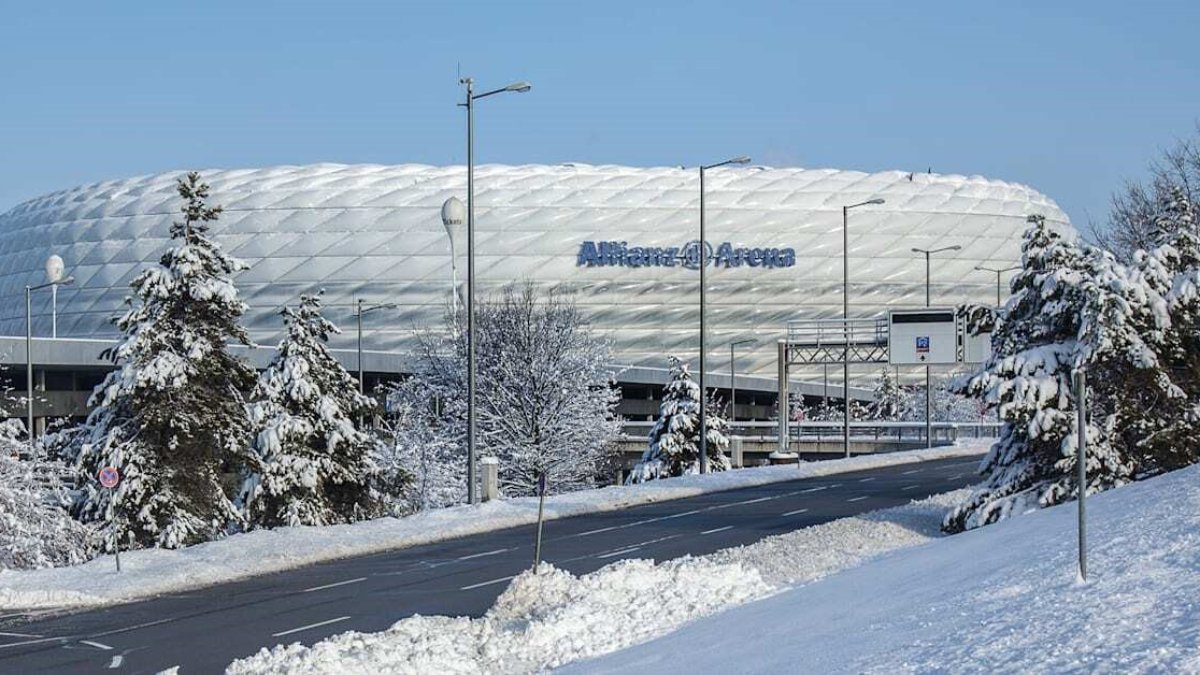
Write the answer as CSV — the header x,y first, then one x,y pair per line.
x,y
733,381
928,384
703,257
364,309
54,283
981,268
454,214
520,88
846,316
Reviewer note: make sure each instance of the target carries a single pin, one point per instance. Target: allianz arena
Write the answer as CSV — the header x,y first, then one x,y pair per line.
x,y
617,238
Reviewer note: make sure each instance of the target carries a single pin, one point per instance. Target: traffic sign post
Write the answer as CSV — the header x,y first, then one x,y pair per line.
x,y
537,546
109,478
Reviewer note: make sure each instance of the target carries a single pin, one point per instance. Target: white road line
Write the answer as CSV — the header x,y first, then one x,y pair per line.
x,y
755,501
620,552
823,487
909,473
486,583
835,485
956,476
866,480
603,529
116,662
97,645
856,499
792,513
482,555
334,585
24,635
911,487
309,626
31,642
717,529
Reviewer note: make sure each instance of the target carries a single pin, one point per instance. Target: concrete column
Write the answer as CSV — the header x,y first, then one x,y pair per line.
x,y
491,478
737,452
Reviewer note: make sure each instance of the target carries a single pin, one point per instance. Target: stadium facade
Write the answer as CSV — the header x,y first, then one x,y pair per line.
x,y
620,240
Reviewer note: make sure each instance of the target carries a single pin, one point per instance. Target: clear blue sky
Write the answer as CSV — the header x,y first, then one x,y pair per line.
x,y
1071,98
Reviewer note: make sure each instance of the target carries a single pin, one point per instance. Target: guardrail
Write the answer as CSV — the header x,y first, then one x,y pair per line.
x,y
816,432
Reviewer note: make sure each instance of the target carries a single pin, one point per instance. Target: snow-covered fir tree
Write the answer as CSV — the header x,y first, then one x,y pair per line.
x,y
35,528
674,441
889,397
309,464
171,417
545,391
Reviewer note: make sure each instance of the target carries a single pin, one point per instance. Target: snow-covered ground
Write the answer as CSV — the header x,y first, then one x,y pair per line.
x,y
151,572
550,618
1003,598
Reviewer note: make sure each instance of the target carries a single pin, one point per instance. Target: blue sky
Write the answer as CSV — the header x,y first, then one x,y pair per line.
x,y
1070,97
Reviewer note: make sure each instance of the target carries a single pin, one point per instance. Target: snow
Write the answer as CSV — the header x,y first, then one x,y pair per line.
x,y
150,572
551,618
1002,598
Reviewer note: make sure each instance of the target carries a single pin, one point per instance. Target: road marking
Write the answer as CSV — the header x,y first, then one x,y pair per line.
x,y
482,555
487,583
755,501
31,642
792,513
866,480
911,487
956,476
24,635
823,487
619,552
856,499
835,485
717,529
97,645
334,585
309,626
116,662
909,473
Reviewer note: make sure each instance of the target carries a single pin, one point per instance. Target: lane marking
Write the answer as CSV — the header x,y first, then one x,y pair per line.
x,y
823,487
909,473
956,476
866,480
911,487
487,583
835,485
755,501
856,499
33,642
334,585
116,662
717,529
309,626
97,645
792,513
24,635
482,555
619,552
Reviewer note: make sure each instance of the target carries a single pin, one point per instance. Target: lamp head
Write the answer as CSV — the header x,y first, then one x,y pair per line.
x,y
519,87
877,200
744,159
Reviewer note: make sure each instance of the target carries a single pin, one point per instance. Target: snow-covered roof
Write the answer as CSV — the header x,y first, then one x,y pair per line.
x,y
375,232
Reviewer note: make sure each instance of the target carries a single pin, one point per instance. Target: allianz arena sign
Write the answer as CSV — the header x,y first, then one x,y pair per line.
x,y
621,254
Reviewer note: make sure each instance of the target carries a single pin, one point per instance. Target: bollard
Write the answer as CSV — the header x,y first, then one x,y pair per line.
x,y
491,478
737,452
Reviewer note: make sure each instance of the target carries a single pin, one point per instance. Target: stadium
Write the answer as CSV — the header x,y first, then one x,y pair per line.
x,y
621,240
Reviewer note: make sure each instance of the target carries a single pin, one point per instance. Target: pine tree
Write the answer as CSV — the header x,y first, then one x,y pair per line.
x,y
171,417
889,398
674,441
308,464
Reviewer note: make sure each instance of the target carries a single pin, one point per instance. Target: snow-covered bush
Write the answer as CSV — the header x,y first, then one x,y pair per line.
x,y
171,417
420,457
309,464
35,528
674,441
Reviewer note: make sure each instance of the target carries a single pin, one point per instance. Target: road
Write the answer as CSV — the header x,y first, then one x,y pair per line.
x,y
203,630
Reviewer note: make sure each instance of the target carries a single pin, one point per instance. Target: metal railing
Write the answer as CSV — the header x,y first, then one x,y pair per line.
x,y
816,432
837,332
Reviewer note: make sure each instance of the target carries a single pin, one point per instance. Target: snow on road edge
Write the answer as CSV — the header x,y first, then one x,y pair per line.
x,y
552,618
151,572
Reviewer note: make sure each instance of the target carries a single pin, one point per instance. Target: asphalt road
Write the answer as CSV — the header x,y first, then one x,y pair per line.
x,y
203,630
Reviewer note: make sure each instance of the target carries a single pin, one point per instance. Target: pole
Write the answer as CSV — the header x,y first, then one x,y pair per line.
x,y
998,273
1081,462
360,365
54,311
472,498
846,327
29,364
703,251
732,391
928,388
537,546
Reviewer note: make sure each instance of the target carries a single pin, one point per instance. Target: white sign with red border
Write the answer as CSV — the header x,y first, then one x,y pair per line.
x,y
109,477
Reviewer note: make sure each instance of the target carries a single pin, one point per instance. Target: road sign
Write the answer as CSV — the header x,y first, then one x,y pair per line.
x,y
109,477
922,337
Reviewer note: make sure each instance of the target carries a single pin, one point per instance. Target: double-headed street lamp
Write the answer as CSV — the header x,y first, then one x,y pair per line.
x,y
928,385
733,380
982,268
846,318
54,272
520,88
702,251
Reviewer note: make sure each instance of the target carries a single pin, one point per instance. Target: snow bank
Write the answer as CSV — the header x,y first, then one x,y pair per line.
x,y
151,572
1003,598
545,620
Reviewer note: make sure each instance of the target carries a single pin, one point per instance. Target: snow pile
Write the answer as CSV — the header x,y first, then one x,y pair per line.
x,y
541,621
150,572
545,620
1002,598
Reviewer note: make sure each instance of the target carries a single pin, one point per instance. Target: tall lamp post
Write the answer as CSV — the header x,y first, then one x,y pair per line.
x,y
469,104
928,383
846,317
733,380
454,214
981,268
703,261
363,308
54,271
